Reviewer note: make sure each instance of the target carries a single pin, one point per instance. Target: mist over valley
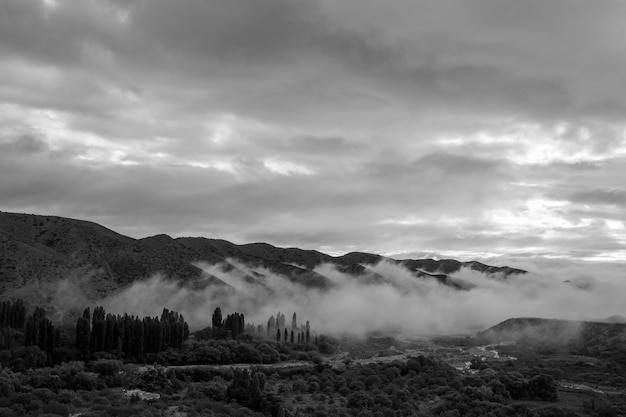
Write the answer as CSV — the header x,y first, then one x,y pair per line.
x,y
248,322
80,263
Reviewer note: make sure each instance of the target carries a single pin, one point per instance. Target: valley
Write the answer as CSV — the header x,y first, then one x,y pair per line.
x,y
93,323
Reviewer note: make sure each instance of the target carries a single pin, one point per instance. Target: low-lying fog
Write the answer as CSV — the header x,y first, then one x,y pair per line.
x,y
401,303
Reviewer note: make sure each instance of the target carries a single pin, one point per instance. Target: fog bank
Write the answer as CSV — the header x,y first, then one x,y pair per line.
x,y
400,302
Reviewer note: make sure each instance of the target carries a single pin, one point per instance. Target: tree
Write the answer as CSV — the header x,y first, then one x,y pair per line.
x,y
98,329
235,323
271,324
12,314
280,320
543,387
217,318
83,335
308,332
87,314
38,331
247,389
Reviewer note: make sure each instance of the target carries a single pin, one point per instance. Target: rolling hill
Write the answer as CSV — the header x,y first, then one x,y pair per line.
x,y
36,250
599,339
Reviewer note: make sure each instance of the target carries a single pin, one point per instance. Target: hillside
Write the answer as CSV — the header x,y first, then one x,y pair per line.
x,y
36,250
592,338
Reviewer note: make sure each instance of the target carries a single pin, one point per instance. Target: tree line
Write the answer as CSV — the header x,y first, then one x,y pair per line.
x,y
129,335
39,331
98,334
297,334
12,314
235,325
119,335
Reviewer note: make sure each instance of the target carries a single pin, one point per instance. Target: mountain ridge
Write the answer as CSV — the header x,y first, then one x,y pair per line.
x,y
36,249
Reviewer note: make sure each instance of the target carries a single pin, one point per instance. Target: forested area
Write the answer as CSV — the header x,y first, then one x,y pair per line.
x,y
421,386
33,341
123,365
30,341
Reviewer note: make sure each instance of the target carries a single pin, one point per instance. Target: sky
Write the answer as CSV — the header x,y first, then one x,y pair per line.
x,y
472,129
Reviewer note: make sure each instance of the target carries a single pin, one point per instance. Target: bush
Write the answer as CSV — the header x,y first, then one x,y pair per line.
x,y
7,388
44,394
326,348
543,387
23,398
107,367
101,402
56,409
33,406
84,381
70,397
69,369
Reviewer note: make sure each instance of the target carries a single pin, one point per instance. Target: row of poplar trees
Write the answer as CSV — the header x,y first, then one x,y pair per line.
x,y
299,334
234,323
129,335
38,329
12,314
101,332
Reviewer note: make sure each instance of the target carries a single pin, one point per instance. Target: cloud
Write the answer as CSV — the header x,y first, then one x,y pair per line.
x,y
600,196
397,302
343,125
24,145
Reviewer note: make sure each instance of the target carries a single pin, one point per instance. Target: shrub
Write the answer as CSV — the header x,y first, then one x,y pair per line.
x,y
107,367
543,387
84,381
70,397
56,409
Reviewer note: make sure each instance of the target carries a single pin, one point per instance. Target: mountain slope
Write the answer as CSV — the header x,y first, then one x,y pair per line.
x,y
599,339
35,250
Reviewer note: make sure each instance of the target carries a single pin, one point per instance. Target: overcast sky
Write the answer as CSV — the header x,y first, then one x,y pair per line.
x,y
463,128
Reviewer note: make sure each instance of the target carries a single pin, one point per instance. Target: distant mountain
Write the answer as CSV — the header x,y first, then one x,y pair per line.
x,y
584,337
36,250
532,329
616,318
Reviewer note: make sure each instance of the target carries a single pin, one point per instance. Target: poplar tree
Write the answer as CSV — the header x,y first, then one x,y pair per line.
x,y
217,318
308,332
13,314
38,331
271,324
82,335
